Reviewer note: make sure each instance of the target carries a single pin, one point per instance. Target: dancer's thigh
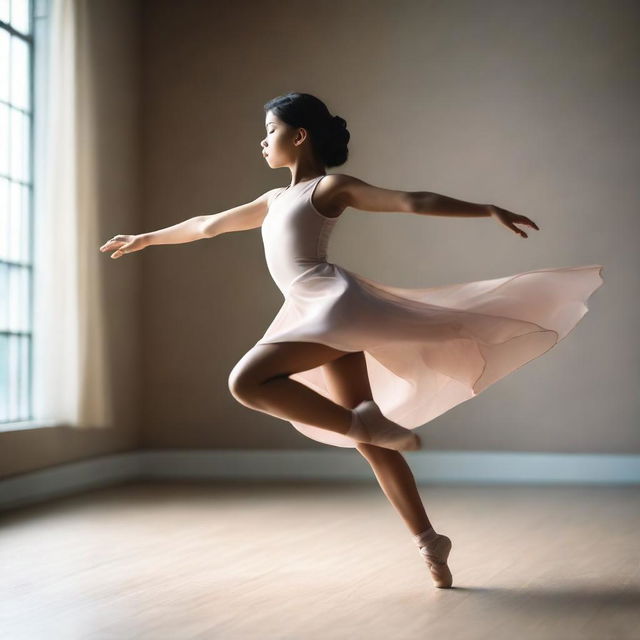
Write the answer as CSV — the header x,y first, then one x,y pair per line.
x,y
347,379
265,361
348,384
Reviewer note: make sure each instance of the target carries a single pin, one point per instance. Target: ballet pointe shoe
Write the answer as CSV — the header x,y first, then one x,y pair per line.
x,y
435,555
371,426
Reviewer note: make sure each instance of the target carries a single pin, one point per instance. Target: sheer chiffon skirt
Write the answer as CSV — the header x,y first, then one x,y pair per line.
x,y
428,350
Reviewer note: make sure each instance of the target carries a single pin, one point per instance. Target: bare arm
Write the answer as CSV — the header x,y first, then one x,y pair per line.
x,y
185,231
361,195
240,218
435,204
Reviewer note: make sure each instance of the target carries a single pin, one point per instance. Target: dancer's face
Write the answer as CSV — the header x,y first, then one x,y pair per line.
x,y
278,145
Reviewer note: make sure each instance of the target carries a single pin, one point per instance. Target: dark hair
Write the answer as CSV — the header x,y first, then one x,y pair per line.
x,y
329,134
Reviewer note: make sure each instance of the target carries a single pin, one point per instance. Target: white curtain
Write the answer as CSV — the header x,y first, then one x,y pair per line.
x,y
70,375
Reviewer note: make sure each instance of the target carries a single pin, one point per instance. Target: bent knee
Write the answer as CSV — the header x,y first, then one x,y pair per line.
x,y
243,385
239,388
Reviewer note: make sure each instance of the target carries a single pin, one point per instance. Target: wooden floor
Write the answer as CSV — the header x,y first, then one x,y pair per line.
x,y
320,561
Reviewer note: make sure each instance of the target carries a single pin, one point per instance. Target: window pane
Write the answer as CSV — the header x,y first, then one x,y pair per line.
x,y
23,389
4,377
19,223
19,298
20,15
4,139
14,372
19,73
24,214
5,38
4,297
4,11
4,220
19,145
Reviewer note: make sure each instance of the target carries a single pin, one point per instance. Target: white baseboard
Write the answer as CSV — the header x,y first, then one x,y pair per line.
x,y
429,467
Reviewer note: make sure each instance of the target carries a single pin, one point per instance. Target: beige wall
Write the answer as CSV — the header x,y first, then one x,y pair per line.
x,y
527,105
114,27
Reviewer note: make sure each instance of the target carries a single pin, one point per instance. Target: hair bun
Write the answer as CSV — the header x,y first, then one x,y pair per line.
x,y
340,122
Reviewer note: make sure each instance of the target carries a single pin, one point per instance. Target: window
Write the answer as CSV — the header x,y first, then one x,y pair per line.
x,y
16,209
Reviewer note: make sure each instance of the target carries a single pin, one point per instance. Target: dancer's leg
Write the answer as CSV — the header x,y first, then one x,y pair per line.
x,y
398,484
348,383
261,380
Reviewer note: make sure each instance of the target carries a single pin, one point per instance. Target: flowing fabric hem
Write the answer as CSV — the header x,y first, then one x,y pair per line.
x,y
457,390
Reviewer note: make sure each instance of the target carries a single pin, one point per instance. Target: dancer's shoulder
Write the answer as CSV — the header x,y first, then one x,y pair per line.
x,y
356,193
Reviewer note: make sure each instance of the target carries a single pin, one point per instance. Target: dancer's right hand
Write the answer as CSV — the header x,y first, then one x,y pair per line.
x,y
124,244
508,218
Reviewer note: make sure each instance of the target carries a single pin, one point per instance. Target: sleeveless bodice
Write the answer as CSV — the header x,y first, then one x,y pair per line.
x,y
427,349
294,233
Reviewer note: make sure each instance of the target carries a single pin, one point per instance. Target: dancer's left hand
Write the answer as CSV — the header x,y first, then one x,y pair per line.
x,y
508,218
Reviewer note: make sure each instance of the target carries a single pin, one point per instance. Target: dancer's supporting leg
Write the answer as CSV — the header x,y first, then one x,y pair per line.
x,y
348,383
397,482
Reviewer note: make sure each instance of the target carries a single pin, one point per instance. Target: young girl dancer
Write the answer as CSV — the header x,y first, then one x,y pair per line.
x,y
353,362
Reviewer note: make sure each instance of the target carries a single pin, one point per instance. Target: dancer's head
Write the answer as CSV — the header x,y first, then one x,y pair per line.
x,y
300,129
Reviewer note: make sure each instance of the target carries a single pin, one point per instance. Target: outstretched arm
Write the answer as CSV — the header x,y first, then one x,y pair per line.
x,y
435,204
186,231
240,218
361,195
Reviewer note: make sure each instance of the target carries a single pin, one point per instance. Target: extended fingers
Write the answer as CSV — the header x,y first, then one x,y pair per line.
x,y
109,243
523,220
531,223
520,231
508,218
121,251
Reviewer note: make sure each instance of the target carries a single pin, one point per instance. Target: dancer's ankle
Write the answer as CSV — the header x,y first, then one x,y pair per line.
x,y
357,430
426,537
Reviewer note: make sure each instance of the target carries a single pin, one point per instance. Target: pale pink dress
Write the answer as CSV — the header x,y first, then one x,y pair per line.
x,y
426,350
